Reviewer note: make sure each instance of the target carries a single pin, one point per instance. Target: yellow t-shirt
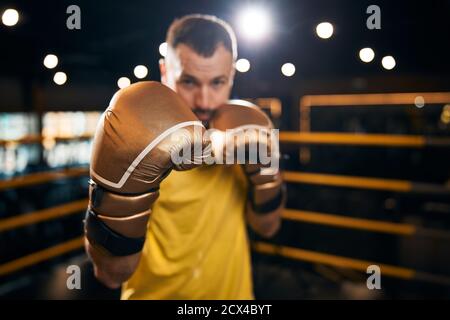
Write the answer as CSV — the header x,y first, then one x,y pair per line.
x,y
197,244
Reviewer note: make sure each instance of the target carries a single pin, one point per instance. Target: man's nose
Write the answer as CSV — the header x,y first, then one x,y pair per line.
x,y
202,99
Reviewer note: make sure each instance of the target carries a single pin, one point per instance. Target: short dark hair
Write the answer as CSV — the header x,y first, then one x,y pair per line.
x,y
202,33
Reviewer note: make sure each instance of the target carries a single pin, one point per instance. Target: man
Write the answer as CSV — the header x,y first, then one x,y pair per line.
x,y
196,243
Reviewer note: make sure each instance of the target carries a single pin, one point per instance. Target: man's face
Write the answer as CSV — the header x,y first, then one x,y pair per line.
x,y
203,83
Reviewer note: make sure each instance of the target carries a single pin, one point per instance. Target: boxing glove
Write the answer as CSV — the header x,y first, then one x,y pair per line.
x,y
146,131
243,134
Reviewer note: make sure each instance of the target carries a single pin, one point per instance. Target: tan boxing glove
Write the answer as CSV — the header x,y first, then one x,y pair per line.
x,y
146,131
244,134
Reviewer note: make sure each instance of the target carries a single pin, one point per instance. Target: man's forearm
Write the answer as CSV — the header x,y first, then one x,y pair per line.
x,y
265,205
265,225
110,270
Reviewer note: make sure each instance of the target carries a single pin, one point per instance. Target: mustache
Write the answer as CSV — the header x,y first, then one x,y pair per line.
x,y
203,112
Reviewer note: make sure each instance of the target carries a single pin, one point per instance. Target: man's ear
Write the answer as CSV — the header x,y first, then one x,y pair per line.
x,y
162,69
232,75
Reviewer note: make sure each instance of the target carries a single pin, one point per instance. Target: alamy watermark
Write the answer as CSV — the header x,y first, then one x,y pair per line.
x,y
374,280
374,20
74,279
73,21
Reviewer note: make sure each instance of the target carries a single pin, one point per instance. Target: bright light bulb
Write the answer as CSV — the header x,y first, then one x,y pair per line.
x,y
163,49
10,17
324,30
60,78
366,54
140,71
254,23
388,62
123,82
50,61
242,65
288,69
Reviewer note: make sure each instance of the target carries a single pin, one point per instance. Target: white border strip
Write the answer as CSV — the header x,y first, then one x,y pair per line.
x,y
141,156
249,126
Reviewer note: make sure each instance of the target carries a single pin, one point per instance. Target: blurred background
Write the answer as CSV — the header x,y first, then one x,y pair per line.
x,y
361,96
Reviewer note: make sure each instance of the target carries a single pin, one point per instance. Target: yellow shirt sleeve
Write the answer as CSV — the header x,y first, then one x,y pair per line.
x,y
197,245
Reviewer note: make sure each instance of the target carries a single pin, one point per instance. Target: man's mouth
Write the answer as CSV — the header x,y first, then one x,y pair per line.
x,y
203,115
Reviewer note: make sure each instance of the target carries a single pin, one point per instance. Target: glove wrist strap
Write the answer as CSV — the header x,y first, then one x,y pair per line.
x,y
99,234
268,206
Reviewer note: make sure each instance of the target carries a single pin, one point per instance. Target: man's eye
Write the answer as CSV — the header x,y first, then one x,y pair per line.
x,y
218,83
187,82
